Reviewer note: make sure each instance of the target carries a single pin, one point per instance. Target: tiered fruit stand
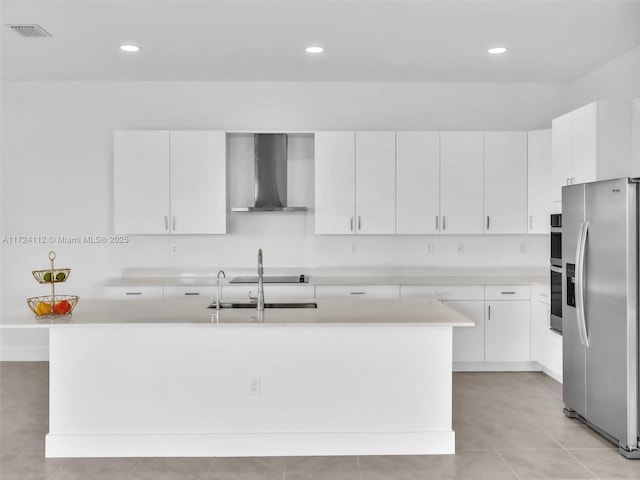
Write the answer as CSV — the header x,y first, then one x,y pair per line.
x,y
52,305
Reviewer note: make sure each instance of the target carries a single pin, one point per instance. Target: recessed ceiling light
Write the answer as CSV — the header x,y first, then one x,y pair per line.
x,y
497,50
314,49
129,48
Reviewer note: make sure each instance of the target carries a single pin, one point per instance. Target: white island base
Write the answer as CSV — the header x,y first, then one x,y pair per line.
x,y
241,389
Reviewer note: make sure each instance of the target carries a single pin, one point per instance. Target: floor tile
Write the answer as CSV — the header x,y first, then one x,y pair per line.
x,y
397,467
608,464
18,466
22,441
471,437
322,468
247,468
519,436
171,469
578,436
473,465
96,469
545,464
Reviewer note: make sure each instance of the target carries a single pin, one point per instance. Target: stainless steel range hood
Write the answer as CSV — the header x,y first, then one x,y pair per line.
x,y
270,175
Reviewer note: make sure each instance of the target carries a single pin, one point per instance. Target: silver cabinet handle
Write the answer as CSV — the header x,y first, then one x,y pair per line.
x,y
192,293
508,293
133,293
166,222
489,317
359,223
357,293
436,222
444,222
173,223
351,224
487,222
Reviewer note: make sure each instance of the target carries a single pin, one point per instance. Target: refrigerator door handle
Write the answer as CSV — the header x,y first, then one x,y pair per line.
x,y
580,254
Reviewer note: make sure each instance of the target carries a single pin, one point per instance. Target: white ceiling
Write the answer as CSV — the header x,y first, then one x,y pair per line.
x,y
364,40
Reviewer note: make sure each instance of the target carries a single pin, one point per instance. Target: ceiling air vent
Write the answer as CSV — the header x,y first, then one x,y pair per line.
x,y
31,30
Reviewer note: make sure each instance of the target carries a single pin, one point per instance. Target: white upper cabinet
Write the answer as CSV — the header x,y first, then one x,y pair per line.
x,y
461,182
141,182
505,182
170,182
591,143
417,182
375,182
335,179
198,182
539,180
354,182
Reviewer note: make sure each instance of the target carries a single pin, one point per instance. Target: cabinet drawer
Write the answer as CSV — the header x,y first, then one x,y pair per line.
x,y
444,292
271,292
369,291
507,292
126,291
175,291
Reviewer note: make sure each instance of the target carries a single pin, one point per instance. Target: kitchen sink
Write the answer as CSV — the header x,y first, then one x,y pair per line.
x,y
266,305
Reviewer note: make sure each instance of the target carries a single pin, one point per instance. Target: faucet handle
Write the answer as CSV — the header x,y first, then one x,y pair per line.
x,y
252,299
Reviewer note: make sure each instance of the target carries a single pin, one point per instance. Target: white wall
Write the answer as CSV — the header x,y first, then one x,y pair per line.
x,y
57,171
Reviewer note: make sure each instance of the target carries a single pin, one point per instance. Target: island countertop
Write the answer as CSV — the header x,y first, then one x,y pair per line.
x,y
330,311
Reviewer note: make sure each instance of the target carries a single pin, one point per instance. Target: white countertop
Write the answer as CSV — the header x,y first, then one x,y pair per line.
x,y
341,276
338,311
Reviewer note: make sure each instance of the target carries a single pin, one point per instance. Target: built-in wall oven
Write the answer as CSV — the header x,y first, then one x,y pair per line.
x,y
556,273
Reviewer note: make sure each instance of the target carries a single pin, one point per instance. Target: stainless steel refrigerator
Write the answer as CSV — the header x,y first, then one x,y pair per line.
x,y
600,308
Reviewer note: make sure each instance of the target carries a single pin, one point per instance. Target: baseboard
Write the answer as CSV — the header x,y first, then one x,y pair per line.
x,y
555,375
24,354
496,367
250,444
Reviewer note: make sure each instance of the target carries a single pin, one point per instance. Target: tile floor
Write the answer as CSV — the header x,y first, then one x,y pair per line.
x,y
508,426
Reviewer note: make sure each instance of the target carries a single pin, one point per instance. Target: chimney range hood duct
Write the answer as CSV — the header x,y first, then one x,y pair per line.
x,y
270,174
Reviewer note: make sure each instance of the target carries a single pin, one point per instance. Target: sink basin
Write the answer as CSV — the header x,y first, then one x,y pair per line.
x,y
266,305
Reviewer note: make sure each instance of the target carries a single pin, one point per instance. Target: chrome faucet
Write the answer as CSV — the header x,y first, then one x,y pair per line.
x,y
218,289
260,301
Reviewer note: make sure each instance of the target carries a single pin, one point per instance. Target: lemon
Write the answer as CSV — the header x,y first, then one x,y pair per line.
x,y
43,308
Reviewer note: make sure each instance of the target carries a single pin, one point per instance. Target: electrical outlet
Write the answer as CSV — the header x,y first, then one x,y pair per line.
x,y
174,249
429,248
460,248
255,386
523,248
354,248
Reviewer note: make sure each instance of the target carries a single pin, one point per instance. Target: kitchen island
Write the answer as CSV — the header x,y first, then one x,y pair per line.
x,y
173,378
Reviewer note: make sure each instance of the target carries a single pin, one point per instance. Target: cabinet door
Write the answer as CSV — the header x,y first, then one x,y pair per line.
x,y
507,331
417,182
560,155
198,182
539,327
539,181
358,291
141,182
461,185
375,182
584,144
335,182
505,182
468,342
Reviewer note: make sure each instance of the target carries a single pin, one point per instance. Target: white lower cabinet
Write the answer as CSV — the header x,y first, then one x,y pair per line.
x,y
360,291
180,291
546,345
507,331
468,342
133,291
